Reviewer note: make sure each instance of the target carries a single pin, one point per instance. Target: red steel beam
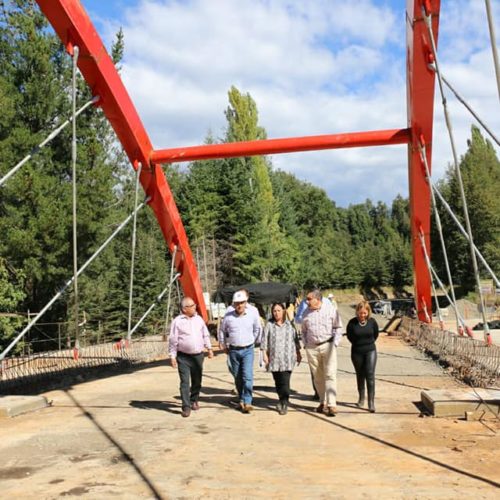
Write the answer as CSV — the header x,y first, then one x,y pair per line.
x,y
420,107
288,145
74,28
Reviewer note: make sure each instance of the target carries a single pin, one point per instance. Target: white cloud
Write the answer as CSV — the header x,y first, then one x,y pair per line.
x,y
321,67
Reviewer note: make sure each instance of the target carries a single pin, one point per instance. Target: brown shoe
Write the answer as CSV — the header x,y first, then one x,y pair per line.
x,y
247,408
332,411
186,412
320,408
195,406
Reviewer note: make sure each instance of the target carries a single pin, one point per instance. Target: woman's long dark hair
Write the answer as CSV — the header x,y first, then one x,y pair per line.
x,y
272,310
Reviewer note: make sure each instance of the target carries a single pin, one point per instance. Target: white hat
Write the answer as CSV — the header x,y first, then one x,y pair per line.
x,y
240,296
330,296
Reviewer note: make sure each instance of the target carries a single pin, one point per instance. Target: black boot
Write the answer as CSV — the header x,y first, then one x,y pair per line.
x,y
370,383
371,404
284,408
361,400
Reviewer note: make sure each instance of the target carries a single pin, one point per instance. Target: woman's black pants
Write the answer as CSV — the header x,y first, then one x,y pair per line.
x,y
282,382
364,364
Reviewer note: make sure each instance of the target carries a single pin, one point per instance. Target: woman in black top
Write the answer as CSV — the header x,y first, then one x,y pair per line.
x,y
362,332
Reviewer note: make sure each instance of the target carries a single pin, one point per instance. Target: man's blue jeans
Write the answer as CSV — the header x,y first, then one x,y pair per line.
x,y
242,368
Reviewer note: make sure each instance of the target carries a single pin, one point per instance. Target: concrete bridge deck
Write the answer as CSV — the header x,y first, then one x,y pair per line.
x,y
123,437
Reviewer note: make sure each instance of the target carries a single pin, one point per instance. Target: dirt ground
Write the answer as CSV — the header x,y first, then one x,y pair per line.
x,y
123,437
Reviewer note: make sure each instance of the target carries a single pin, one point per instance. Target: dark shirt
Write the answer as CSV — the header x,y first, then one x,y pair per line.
x,y
362,338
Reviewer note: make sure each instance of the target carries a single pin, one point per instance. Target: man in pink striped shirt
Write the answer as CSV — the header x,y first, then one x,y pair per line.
x,y
188,338
321,334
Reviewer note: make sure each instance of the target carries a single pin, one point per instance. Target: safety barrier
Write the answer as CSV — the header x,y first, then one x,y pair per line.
x,y
19,371
472,361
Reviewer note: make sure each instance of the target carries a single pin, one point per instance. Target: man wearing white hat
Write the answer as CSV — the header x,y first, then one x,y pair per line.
x,y
239,331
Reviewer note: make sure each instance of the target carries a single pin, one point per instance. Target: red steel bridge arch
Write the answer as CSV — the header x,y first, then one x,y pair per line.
x,y
74,28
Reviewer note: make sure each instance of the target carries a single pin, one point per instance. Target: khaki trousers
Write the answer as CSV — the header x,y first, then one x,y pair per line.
x,y
323,362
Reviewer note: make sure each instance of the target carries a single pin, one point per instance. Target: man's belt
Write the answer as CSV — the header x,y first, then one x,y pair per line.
x,y
239,347
325,341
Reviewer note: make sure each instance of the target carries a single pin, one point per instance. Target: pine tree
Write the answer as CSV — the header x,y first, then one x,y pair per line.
x,y
480,169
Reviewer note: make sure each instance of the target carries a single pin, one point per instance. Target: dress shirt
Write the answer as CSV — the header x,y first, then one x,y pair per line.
x,y
319,325
240,330
301,310
188,335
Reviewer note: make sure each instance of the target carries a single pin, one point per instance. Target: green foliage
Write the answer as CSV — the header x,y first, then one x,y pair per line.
x,y
480,172
11,295
36,203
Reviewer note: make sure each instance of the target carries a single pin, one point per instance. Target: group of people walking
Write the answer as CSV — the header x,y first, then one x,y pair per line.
x,y
241,330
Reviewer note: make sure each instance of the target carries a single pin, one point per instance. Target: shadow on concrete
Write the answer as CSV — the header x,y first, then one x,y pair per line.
x,y
156,405
126,456
70,377
383,442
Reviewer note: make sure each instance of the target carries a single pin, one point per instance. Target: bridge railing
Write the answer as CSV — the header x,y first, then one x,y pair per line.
x,y
473,361
19,371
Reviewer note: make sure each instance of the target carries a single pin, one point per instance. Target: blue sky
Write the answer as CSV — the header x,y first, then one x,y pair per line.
x,y
327,66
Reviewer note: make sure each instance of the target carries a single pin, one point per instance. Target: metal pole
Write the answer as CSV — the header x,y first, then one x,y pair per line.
x,y
172,267
73,163
491,26
464,232
284,145
68,283
153,305
440,231
51,136
132,259
486,328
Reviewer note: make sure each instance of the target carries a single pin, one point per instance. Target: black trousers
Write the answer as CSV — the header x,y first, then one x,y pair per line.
x,y
190,367
282,383
364,364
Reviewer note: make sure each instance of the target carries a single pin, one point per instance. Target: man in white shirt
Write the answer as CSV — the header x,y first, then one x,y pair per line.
x,y
239,331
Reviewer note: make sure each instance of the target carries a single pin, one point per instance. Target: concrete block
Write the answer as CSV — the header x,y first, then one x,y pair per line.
x,y
458,402
11,406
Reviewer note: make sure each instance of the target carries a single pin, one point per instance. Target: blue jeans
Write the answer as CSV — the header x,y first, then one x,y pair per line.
x,y
242,370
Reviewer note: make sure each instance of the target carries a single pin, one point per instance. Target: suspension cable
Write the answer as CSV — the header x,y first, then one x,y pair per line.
x,y
49,138
472,112
428,319
70,281
157,301
434,275
132,259
464,232
423,157
428,22
491,26
76,51
172,267
436,300
178,292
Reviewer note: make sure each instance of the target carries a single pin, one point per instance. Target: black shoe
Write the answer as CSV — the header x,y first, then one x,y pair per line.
x,y
320,408
331,411
283,408
361,402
